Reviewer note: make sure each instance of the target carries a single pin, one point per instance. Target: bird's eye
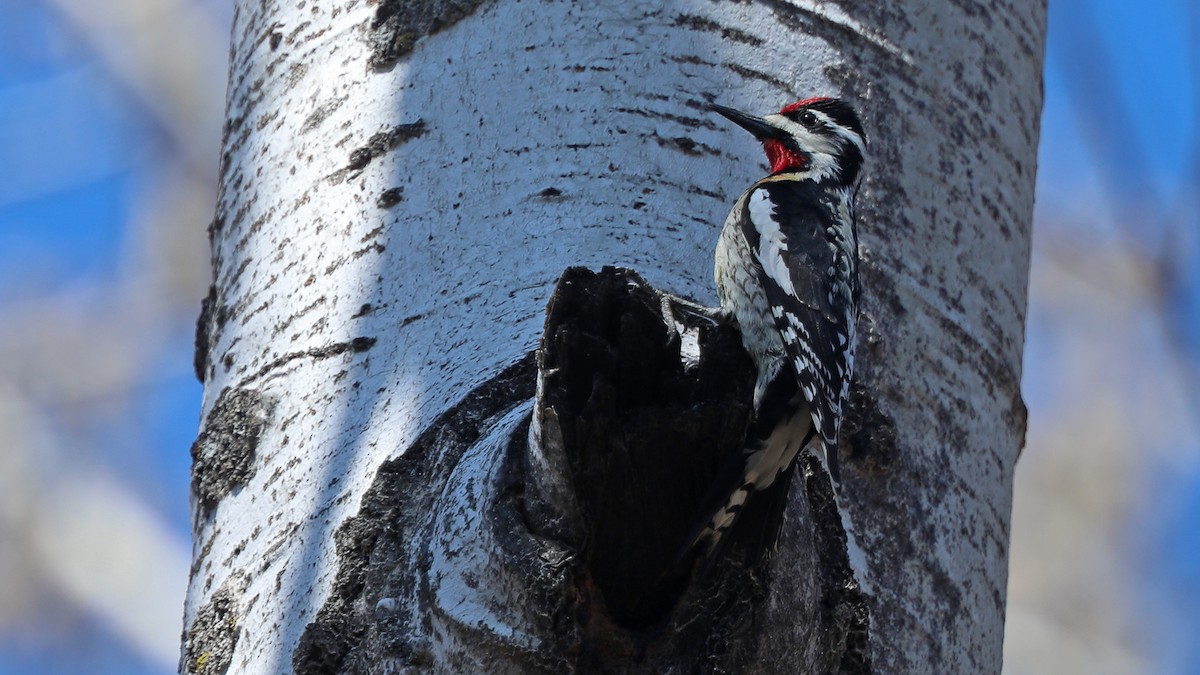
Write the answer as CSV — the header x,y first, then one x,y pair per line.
x,y
808,119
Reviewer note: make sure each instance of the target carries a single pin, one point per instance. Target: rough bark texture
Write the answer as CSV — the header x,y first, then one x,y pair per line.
x,y
403,183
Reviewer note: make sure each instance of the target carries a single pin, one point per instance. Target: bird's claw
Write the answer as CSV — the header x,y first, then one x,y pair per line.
x,y
669,304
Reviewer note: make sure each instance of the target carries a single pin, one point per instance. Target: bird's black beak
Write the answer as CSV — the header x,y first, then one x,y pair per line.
x,y
755,125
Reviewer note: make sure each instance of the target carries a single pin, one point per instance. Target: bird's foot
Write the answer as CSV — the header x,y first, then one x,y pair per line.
x,y
674,307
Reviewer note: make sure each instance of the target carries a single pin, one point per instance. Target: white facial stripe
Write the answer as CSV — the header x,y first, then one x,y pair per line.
x,y
841,130
807,140
771,242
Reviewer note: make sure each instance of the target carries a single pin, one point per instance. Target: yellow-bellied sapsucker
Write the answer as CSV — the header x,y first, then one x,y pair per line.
x,y
787,272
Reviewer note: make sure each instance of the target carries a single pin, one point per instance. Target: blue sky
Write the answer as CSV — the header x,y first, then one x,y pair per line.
x,y
1130,60
1119,163
78,152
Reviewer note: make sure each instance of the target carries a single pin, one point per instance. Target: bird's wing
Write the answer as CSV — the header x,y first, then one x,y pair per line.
x,y
808,269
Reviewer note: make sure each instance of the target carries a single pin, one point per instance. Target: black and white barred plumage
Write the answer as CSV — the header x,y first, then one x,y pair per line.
x,y
787,271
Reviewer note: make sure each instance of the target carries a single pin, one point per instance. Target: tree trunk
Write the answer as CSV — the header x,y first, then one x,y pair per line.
x,y
385,481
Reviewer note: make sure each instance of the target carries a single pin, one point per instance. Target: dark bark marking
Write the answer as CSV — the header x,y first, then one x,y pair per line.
x,y
691,60
390,197
354,255
265,119
323,111
868,435
1017,416
752,74
200,357
385,141
816,22
399,24
283,326
378,145
208,643
223,453
682,120
696,190
704,24
685,145
374,247
375,232
356,345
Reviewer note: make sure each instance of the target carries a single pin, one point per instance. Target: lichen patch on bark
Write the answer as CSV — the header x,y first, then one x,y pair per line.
x,y
223,453
208,643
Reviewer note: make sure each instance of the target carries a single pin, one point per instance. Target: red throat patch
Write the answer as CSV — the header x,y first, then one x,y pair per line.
x,y
783,158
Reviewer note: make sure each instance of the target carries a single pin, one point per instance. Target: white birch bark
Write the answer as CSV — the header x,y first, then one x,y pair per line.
x,y
398,197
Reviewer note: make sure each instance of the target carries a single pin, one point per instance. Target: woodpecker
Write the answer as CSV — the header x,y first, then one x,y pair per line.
x,y
787,272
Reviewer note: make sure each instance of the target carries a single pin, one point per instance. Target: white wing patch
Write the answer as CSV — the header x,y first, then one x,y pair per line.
x,y
771,242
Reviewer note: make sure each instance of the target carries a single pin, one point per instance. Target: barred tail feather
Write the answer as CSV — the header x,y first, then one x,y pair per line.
x,y
752,488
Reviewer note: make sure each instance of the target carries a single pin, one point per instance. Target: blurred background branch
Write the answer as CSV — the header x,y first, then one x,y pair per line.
x,y
110,114
1105,574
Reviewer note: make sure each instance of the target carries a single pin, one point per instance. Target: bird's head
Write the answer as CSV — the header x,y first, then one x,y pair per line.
x,y
821,138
